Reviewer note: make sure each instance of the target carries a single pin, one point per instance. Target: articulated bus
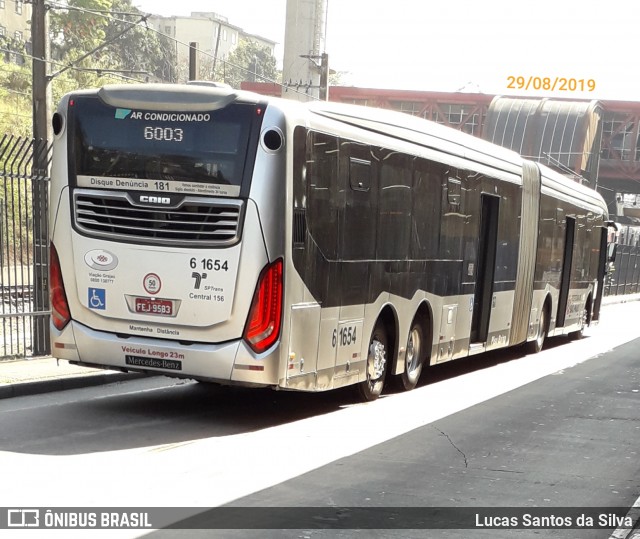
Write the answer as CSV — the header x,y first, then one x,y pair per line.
x,y
207,233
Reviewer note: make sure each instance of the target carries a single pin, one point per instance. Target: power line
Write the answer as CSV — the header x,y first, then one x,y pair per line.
x,y
56,5
177,41
145,17
16,92
231,64
91,69
14,114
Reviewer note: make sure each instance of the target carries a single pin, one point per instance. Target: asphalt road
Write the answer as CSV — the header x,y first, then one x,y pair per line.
x,y
569,440
557,429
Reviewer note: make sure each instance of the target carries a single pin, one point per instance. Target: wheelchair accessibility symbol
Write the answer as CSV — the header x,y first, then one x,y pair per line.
x,y
97,298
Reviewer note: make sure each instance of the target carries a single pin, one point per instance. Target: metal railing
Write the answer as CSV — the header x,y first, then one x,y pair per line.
x,y
624,276
24,241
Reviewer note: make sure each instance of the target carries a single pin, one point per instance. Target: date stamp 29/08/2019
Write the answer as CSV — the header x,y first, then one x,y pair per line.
x,y
552,84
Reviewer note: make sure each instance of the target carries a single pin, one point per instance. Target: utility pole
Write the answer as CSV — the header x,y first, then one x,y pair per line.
x,y
215,54
41,91
41,95
304,43
193,60
324,77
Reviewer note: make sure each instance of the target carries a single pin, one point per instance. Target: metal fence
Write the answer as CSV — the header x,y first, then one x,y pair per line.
x,y
625,277
24,241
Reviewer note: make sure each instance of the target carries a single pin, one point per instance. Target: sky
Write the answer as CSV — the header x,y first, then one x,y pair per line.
x,y
489,46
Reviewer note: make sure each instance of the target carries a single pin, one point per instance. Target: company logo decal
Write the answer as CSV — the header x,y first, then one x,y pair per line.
x,y
101,260
154,200
122,114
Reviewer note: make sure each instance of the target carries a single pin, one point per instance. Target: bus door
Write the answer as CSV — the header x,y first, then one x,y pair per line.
x,y
603,260
357,248
486,264
565,279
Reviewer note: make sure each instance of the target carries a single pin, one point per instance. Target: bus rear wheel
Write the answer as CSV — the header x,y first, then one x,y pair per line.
x,y
371,388
536,345
584,322
414,356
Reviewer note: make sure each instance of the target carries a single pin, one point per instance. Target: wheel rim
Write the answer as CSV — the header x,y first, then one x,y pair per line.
x,y
542,329
414,346
377,360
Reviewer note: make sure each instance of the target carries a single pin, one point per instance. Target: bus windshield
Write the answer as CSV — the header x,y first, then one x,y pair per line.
x,y
170,147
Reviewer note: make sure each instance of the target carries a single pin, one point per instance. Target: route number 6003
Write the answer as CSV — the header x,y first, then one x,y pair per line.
x,y
169,134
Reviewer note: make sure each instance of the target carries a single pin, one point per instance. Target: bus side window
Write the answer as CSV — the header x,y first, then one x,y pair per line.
x,y
394,206
425,210
454,191
359,174
508,232
358,229
453,218
322,187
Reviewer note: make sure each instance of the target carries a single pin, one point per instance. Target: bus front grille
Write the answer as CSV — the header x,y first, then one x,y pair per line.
x,y
193,221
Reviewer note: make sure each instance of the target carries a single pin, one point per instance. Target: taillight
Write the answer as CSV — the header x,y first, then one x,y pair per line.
x,y
60,315
263,325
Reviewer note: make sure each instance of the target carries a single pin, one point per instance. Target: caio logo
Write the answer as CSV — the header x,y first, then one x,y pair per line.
x,y
149,199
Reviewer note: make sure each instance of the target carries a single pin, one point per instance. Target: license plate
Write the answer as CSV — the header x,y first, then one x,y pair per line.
x,y
160,307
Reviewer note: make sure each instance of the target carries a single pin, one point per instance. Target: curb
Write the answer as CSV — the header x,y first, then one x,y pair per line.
x,y
615,300
61,383
23,389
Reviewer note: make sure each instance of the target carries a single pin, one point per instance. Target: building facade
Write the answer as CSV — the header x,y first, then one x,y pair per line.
x,y
215,36
15,28
618,174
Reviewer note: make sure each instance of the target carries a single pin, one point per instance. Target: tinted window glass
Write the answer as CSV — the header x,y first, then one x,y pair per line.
x,y
206,147
322,177
394,205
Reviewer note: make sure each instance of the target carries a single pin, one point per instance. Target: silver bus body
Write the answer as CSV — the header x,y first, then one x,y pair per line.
x,y
388,241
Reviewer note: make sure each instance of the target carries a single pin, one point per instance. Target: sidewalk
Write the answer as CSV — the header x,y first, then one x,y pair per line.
x,y
41,375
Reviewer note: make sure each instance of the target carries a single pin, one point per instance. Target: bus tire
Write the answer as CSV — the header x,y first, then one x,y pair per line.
x,y
414,356
585,321
376,367
535,346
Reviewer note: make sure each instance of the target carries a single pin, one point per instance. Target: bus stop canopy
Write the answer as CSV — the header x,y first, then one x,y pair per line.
x,y
564,135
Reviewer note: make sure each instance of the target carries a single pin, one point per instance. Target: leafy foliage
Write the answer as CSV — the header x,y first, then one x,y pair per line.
x,y
249,61
116,31
98,42
140,49
78,29
15,100
15,88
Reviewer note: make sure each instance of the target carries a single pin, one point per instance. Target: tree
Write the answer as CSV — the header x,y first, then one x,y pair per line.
x,y
78,29
140,49
249,61
15,100
15,88
116,31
